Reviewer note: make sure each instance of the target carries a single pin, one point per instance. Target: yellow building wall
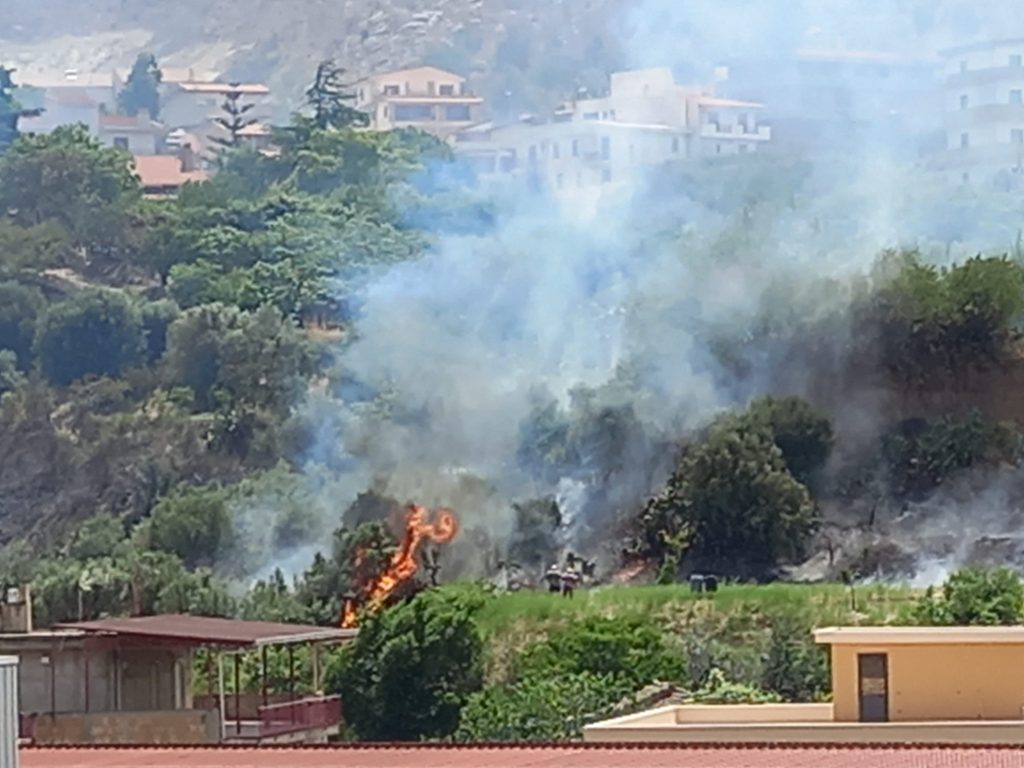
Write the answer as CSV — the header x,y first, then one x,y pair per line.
x,y
937,682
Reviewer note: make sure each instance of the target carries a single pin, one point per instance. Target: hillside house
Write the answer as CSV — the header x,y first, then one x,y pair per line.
x,y
426,98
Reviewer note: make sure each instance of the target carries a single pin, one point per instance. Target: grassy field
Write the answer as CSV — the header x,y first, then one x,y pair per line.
x,y
731,626
825,604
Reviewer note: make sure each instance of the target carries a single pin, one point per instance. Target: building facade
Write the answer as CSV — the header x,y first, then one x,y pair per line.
x,y
645,120
890,685
426,98
983,91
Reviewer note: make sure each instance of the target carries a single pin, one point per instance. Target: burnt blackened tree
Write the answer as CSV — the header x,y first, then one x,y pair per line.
x,y
329,99
11,111
142,89
234,120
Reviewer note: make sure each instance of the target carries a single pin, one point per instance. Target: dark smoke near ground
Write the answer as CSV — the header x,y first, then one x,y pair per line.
x,y
563,353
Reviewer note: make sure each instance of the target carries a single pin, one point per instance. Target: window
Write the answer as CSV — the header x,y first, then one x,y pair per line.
x,y
413,112
120,142
718,149
457,113
963,66
575,147
555,151
606,148
964,101
675,145
590,115
1017,96
606,176
447,90
1015,60
1017,136
391,90
965,140
431,87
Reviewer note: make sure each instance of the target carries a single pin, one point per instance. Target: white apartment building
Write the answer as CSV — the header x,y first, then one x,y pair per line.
x,y
645,120
984,109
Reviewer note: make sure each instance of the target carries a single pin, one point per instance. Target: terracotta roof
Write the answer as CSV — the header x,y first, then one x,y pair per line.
x,y
540,756
414,70
128,123
200,630
160,171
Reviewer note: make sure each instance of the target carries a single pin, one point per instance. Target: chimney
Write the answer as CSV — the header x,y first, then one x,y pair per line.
x,y
188,158
16,611
9,711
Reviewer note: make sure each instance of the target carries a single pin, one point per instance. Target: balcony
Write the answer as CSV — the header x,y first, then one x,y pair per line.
x,y
317,714
736,132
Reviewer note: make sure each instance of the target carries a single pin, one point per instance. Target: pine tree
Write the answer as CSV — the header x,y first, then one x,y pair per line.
x,y
11,110
328,98
234,120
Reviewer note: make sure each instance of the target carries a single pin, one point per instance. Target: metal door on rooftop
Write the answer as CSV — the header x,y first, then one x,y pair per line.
x,y
873,687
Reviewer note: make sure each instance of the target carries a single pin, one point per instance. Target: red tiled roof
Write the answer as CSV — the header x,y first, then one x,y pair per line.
x,y
160,171
540,756
200,630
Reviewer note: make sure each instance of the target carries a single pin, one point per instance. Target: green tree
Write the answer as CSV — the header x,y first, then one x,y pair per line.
x,y
986,596
802,434
157,317
630,650
329,99
733,503
98,537
539,708
928,321
411,670
68,177
11,112
795,667
141,92
193,523
257,359
233,121
98,332
20,307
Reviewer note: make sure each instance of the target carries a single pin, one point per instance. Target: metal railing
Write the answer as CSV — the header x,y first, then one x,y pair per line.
x,y
302,715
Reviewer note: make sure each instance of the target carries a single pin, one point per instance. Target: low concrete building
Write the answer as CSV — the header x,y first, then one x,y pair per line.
x,y
890,685
138,135
131,681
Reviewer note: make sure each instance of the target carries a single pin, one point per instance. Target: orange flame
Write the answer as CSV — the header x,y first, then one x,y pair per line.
x,y
403,565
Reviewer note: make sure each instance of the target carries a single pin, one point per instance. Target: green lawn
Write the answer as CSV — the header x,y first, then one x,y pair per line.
x,y
827,604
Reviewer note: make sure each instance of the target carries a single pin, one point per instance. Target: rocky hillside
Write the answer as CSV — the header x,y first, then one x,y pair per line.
x,y
520,53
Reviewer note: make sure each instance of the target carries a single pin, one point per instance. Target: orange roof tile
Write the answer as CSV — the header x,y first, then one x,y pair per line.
x,y
525,756
164,171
